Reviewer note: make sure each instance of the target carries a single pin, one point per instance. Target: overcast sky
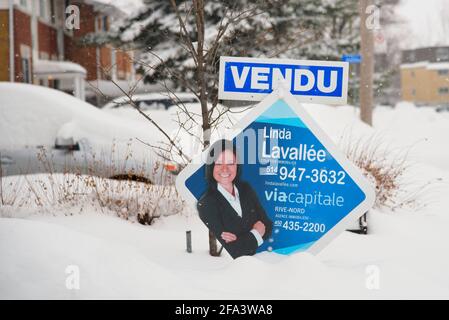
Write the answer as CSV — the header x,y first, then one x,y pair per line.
x,y
427,22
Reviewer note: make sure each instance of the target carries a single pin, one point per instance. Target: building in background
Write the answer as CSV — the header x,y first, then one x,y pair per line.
x,y
37,47
387,82
425,75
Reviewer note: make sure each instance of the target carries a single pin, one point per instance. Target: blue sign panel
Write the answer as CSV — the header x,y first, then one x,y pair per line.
x,y
352,58
310,81
307,189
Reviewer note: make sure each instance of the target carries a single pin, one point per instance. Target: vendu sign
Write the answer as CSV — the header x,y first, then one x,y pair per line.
x,y
309,81
293,190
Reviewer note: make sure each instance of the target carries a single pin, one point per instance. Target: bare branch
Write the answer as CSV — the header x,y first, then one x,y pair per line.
x,y
171,72
133,104
184,29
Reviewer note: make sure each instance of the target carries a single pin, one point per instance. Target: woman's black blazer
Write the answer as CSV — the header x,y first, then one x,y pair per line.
x,y
216,212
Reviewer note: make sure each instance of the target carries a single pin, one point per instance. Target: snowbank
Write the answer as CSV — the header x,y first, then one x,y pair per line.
x,y
118,259
33,115
406,249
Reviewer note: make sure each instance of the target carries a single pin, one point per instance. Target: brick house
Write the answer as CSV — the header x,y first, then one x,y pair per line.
x,y
37,46
425,75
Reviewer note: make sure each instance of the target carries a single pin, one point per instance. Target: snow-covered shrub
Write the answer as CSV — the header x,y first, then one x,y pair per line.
x,y
384,166
131,200
9,190
136,200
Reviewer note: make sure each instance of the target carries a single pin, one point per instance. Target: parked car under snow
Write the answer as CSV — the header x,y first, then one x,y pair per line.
x,y
45,130
152,101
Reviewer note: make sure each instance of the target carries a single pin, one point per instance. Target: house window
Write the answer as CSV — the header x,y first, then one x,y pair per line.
x,y
42,9
24,4
52,12
442,54
413,92
26,70
105,23
443,72
443,90
102,24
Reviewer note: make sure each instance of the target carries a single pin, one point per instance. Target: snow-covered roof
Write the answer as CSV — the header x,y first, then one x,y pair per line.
x,y
104,6
46,67
438,66
427,65
116,7
421,64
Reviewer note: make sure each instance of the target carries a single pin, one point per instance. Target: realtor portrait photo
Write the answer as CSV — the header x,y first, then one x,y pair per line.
x,y
230,207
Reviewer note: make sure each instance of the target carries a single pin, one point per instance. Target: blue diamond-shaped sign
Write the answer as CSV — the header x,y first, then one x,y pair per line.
x,y
306,187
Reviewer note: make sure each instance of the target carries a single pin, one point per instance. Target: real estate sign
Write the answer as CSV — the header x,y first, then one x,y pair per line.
x,y
307,187
309,81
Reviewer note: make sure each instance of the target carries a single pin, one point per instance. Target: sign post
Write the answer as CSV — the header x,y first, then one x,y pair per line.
x,y
354,61
302,183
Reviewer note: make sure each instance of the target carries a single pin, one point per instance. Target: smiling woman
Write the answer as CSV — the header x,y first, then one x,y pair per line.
x,y
230,208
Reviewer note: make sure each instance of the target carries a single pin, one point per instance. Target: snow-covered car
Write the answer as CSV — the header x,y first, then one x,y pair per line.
x,y
442,108
152,101
46,130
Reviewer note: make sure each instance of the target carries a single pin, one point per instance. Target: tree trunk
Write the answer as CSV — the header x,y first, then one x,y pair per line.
x,y
199,11
367,65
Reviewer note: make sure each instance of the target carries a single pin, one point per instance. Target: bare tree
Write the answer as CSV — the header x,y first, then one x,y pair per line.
x,y
202,44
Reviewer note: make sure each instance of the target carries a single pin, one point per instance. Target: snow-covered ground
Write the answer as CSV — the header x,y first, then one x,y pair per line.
x,y
405,255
